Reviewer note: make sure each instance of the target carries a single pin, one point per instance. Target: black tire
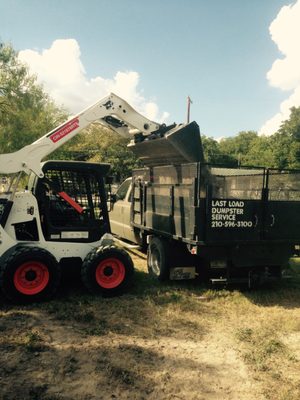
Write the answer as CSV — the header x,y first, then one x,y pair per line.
x,y
158,259
29,274
107,270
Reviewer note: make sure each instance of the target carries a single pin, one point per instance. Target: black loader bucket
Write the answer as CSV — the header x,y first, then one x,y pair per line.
x,y
180,145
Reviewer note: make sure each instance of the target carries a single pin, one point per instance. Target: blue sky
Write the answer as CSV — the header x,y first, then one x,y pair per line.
x,y
217,52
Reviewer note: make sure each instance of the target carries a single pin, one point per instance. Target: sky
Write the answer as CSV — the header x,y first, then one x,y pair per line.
x,y
238,60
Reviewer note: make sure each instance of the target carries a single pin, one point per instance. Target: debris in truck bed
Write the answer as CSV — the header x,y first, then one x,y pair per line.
x,y
182,144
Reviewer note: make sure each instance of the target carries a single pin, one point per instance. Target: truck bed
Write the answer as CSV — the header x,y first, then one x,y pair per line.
x,y
205,204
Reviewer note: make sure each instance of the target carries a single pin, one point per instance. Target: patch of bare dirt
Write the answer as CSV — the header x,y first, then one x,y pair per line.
x,y
43,358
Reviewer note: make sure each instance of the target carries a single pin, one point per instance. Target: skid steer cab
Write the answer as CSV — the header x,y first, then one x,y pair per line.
x,y
61,218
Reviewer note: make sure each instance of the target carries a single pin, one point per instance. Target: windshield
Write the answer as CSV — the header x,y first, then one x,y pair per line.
x,y
121,192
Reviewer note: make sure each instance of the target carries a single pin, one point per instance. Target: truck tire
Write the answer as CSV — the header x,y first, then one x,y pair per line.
x,y
107,270
29,274
158,257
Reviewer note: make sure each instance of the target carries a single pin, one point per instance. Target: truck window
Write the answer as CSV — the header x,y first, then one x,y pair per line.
x,y
121,192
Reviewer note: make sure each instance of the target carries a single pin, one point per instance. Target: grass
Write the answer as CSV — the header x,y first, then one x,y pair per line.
x,y
260,325
270,360
260,322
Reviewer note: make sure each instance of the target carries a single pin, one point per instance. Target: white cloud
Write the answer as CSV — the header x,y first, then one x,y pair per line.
x,y
285,72
63,76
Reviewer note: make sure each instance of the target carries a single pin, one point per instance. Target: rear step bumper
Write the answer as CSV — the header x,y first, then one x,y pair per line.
x,y
250,281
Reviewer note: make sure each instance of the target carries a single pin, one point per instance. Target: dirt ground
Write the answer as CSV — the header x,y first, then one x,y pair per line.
x,y
155,342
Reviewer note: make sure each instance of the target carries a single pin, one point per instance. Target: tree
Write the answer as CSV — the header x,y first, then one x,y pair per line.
x,y
26,111
281,150
287,140
291,126
238,147
213,153
260,153
99,144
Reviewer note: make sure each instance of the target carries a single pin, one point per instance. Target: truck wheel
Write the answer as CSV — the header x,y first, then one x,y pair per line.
x,y
29,274
158,259
107,270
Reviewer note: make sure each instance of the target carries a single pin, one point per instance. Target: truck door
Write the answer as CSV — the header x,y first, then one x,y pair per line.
x,y
234,204
282,219
120,215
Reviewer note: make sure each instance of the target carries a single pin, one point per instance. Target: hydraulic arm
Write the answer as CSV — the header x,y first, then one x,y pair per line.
x,y
111,111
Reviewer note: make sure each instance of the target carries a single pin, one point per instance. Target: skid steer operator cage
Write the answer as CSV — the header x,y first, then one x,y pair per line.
x,y
71,198
81,187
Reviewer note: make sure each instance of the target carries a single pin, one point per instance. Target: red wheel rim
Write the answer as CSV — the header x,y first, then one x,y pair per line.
x,y
31,277
110,273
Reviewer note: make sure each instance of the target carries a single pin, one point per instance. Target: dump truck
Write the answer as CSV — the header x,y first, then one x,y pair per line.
x,y
201,220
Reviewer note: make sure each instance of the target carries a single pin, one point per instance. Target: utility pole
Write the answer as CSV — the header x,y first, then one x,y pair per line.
x,y
189,102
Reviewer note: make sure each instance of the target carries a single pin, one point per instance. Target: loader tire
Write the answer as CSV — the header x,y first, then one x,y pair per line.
x,y
158,259
29,274
107,270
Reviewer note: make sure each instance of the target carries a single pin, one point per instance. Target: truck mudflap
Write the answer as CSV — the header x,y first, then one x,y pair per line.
x,y
179,145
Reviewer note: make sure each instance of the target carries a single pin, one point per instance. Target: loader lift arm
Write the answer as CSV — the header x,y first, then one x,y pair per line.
x,y
111,111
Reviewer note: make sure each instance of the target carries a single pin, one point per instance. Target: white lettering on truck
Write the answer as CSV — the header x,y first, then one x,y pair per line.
x,y
226,214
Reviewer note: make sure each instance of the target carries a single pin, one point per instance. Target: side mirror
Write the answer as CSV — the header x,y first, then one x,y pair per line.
x,y
111,199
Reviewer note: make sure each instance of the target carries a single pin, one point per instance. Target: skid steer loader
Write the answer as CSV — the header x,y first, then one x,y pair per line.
x,y
62,217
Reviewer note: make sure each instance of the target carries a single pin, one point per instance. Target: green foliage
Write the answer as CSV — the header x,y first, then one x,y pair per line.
x,y
291,126
288,140
238,147
259,153
213,153
99,144
281,150
26,111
